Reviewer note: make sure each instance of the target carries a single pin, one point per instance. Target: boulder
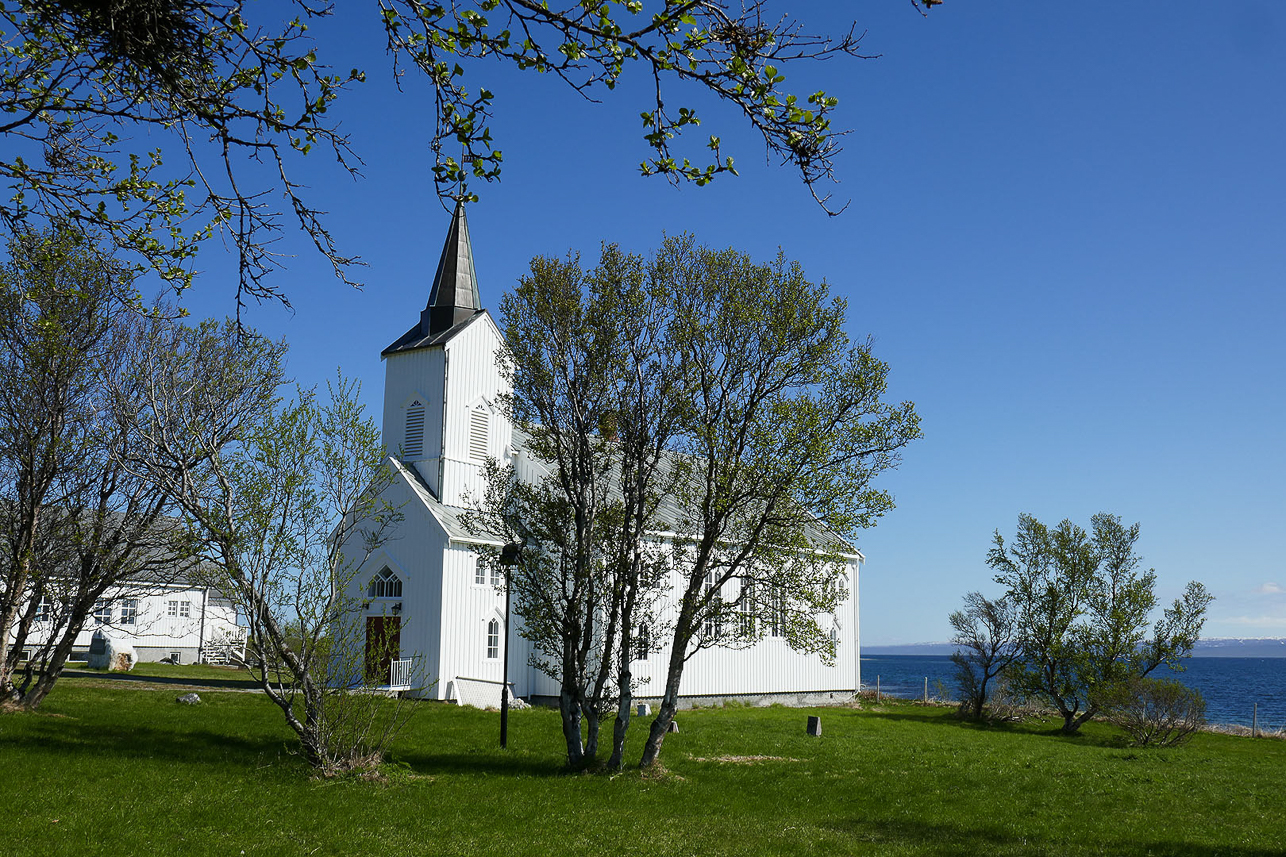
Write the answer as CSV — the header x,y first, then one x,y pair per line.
x,y
120,655
109,653
97,659
188,699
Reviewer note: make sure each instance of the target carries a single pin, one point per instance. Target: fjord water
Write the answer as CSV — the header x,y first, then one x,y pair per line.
x,y
1231,686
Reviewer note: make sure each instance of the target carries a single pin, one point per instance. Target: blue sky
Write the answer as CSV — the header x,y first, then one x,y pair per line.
x,y
1067,236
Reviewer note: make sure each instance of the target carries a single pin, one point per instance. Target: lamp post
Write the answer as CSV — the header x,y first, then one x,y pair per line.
x,y
509,556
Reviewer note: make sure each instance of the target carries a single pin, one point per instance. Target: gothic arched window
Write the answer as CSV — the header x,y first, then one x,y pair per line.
x,y
493,639
385,584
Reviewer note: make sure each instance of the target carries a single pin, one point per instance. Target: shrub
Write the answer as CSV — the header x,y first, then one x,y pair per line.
x,y
1162,712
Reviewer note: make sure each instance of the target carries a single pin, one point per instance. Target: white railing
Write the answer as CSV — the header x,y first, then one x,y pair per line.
x,y
227,648
399,673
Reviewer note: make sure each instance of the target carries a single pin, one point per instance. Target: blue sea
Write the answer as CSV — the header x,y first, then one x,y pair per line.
x,y
1231,686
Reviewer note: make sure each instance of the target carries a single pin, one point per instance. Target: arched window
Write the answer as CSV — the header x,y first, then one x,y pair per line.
x,y
385,584
478,434
413,446
493,639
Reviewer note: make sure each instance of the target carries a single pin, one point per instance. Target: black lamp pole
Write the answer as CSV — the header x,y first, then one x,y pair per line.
x,y
508,559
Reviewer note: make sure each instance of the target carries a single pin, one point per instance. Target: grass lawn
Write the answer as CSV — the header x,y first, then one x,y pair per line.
x,y
122,771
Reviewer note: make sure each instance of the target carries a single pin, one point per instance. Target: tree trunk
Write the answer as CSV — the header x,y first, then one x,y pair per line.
x,y
569,709
619,729
665,712
32,698
15,587
1073,722
593,720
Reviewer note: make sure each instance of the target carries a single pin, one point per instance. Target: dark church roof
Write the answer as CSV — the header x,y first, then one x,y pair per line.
x,y
453,299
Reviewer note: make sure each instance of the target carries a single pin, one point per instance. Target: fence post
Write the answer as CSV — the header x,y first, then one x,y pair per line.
x,y
877,688
926,690
1254,722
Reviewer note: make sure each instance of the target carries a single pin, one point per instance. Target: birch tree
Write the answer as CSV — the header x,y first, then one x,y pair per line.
x,y
1083,612
282,503
786,430
987,645
76,525
595,388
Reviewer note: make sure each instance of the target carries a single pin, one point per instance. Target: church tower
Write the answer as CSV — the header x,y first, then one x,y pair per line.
x,y
442,382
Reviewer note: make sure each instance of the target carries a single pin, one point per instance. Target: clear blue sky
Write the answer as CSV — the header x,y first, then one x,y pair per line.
x,y
1067,236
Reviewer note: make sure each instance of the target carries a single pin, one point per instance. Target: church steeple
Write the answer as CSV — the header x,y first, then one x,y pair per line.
x,y
453,298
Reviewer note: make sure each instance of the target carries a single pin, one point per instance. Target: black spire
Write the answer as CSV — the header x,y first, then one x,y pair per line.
x,y
454,296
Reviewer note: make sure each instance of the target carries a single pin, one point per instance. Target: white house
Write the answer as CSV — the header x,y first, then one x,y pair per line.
x,y
178,620
440,423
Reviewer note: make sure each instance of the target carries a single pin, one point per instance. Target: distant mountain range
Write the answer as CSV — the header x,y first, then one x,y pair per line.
x,y
1218,647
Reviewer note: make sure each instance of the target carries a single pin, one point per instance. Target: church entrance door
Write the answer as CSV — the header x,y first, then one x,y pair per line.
x,y
383,644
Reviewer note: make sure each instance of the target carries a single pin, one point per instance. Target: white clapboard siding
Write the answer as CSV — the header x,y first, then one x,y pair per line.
x,y
474,386
410,376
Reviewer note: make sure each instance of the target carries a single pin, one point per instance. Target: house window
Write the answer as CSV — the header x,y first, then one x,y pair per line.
x,y
385,584
478,434
642,643
171,608
102,612
414,445
44,609
493,639
185,609
129,611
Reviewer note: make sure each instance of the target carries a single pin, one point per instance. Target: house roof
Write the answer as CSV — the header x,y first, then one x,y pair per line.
x,y
453,297
670,513
448,517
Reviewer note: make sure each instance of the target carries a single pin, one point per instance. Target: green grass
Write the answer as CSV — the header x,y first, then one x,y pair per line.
x,y
108,770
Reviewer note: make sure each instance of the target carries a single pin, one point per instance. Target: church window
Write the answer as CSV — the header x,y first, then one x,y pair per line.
x,y
478,434
712,628
746,610
776,618
642,643
479,573
385,584
414,444
493,639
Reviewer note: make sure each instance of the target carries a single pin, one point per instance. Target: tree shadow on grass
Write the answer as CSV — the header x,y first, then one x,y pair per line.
x,y
930,838
498,763
1043,728
137,741
211,683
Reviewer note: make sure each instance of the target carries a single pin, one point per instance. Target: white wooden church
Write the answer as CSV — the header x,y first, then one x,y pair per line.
x,y
424,589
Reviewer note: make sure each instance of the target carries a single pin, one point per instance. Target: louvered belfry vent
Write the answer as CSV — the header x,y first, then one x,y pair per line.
x,y
413,448
478,434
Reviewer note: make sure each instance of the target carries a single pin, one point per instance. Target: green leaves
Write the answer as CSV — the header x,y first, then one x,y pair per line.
x,y
1084,609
